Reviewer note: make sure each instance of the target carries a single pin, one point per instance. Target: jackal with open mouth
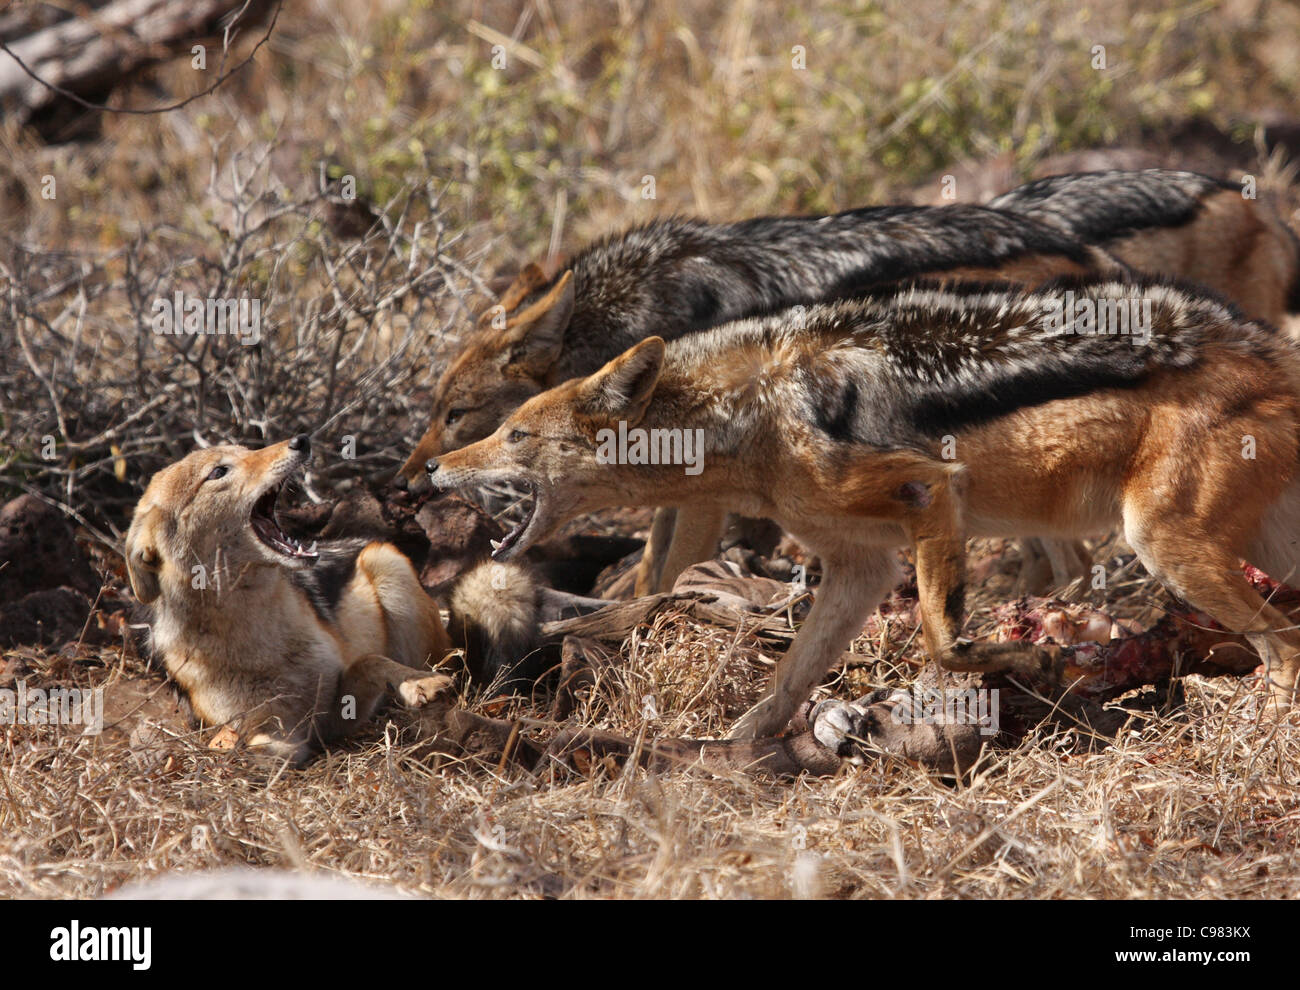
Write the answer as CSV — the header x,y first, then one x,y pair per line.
x,y
674,277
924,415
297,645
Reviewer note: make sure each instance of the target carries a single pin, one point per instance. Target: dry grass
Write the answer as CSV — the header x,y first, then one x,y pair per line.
x,y
1196,802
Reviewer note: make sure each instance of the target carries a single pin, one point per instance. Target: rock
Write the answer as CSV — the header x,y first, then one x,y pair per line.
x,y
47,618
37,551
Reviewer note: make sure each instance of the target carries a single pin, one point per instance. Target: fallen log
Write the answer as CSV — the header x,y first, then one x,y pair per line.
x,y
817,742
87,54
784,756
501,741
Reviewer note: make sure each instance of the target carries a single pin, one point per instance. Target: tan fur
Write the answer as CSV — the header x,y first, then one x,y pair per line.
x,y
1163,460
686,536
494,613
1236,246
249,648
511,356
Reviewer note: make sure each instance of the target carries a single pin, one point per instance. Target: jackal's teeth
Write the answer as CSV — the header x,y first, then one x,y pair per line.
x,y
496,544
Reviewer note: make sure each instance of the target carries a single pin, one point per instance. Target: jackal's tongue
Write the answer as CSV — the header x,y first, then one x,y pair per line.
x,y
268,530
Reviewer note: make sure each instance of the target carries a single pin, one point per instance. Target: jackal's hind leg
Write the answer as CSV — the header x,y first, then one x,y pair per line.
x,y
415,635
367,681
1209,578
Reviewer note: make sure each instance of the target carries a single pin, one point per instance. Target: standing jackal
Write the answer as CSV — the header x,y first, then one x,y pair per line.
x,y
676,276
921,416
1163,221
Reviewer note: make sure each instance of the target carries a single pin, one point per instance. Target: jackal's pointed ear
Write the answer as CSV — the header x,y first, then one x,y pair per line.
x,y
143,561
529,280
536,335
622,389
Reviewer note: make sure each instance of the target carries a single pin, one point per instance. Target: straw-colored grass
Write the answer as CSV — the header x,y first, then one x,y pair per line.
x,y
1195,800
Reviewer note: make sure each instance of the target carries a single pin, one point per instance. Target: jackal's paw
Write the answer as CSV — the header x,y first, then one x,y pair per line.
x,y
1275,704
838,725
761,722
418,693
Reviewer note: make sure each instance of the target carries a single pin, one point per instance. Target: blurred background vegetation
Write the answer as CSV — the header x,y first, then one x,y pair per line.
x,y
490,133
733,108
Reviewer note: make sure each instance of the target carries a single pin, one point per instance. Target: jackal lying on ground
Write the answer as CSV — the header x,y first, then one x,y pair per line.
x,y
298,645
923,415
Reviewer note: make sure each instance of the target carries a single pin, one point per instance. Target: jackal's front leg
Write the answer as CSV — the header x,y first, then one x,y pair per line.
x,y
851,589
696,532
656,550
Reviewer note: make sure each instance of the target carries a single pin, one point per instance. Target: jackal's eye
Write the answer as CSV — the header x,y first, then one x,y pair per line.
x,y
220,471
516,436
453,415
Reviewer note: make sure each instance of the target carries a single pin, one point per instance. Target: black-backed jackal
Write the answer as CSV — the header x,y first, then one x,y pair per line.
x,y
1167,222
295,645
674,277
924,415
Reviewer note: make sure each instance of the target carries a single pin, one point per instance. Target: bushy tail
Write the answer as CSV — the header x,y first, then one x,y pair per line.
x,y
495,619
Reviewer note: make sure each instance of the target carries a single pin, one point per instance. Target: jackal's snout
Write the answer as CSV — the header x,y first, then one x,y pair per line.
x,y
432,484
